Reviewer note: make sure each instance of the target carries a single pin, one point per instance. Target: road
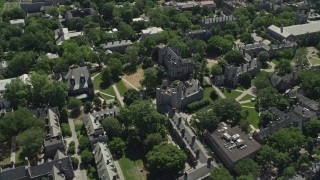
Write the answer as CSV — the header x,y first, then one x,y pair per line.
x,y
80,173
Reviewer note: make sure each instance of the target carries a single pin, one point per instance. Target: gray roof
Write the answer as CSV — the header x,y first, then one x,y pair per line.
x,y
234,154
75,75
79,13
302,29
202,169
105,163
114,44
218,19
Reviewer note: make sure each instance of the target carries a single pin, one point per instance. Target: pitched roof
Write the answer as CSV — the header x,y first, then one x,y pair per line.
x,y
75,75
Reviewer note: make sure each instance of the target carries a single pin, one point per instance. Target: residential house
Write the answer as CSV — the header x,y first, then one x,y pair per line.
x,y
59,168
231,144
176,67
79,82
150,32
63,34
105,164
293,33
178,95
53,141
92,123
82,13
208,23
201,163
36,6
117,46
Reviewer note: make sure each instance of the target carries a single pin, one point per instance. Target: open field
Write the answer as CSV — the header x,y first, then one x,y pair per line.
x,y
135,78
99,85
246,97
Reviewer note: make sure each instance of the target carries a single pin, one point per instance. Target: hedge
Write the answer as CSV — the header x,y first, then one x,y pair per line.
x,y
197,105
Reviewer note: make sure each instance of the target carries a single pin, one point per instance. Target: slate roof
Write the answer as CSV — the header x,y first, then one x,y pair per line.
x,y
76,74
218,19
79,13
105,163
114,44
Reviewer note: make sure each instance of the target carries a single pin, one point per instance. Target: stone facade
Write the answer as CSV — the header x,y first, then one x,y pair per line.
x,y
176,66
180,95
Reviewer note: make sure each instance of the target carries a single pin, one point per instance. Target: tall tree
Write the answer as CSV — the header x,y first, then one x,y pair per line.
x,y
166,158
227,109
234,57
38,82
220,173
112,126
130,96
150,79
247,167
55,93
205,119
17,93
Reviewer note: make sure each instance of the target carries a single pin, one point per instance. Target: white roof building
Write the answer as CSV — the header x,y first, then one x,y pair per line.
x,y
151,31
17,21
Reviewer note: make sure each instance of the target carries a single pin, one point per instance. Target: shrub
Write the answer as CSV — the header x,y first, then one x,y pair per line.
x,y
71,150
65,129
197,105
72,143
75,162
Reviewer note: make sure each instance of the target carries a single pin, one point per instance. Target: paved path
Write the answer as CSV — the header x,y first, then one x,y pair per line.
x,y
243,102
98,91
119,97
121,176
129,83
80,173
13,150
96,75
244,93
272,69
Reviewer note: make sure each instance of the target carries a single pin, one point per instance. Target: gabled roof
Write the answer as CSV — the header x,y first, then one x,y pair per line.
x,y
77,73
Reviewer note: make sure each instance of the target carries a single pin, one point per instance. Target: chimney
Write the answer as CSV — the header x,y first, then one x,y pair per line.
x,y
197,153
209,161
180,119
193,139
38,112
173,111
281,28
182,132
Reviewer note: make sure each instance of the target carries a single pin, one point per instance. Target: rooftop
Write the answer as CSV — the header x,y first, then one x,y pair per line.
x,y
78,78
152,30
234,142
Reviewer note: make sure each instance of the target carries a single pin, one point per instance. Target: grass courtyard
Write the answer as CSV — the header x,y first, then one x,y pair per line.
x,y
10,4
122,88
246,97
231,94
314,60
253,116
100,85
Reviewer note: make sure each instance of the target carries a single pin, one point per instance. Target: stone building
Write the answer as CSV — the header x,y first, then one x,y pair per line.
x,y
208,23
179,94
176,66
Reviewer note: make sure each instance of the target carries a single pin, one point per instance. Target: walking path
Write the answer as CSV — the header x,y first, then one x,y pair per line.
x,y
243,102
13,150
272,69
98,91
119,170
80,173
129,83
96,75
244,93
119,97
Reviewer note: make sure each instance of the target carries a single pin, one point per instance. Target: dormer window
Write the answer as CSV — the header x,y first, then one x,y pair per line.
x,y
72,81
82,79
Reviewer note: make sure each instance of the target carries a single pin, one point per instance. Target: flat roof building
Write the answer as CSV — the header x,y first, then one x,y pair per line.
x,y
231,144
117,46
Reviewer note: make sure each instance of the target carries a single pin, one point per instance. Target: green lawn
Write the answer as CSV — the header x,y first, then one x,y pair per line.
x,y
314,60
19,160
275,61
131,169
99,85
121,87
246,97
232,94
7,159
250,104
253,116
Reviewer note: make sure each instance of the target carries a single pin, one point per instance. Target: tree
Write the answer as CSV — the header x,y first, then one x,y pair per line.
x,y
117,146
107,10
152,140
86,157
74,103
87,107
144,117
125,30
219,45
246,38
289,172
65,129
166,158
112,126
268,97
115,66
247,167
234,57
31,140
215,70
287,140
205,119
150,79
97,101
38,82
21,63
130,96
263,57
284,67
227,109
17,93
83,143
53,11
264,119
75,162
106,75
262,80
310,81
220,173
55,93
245,79
313,128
